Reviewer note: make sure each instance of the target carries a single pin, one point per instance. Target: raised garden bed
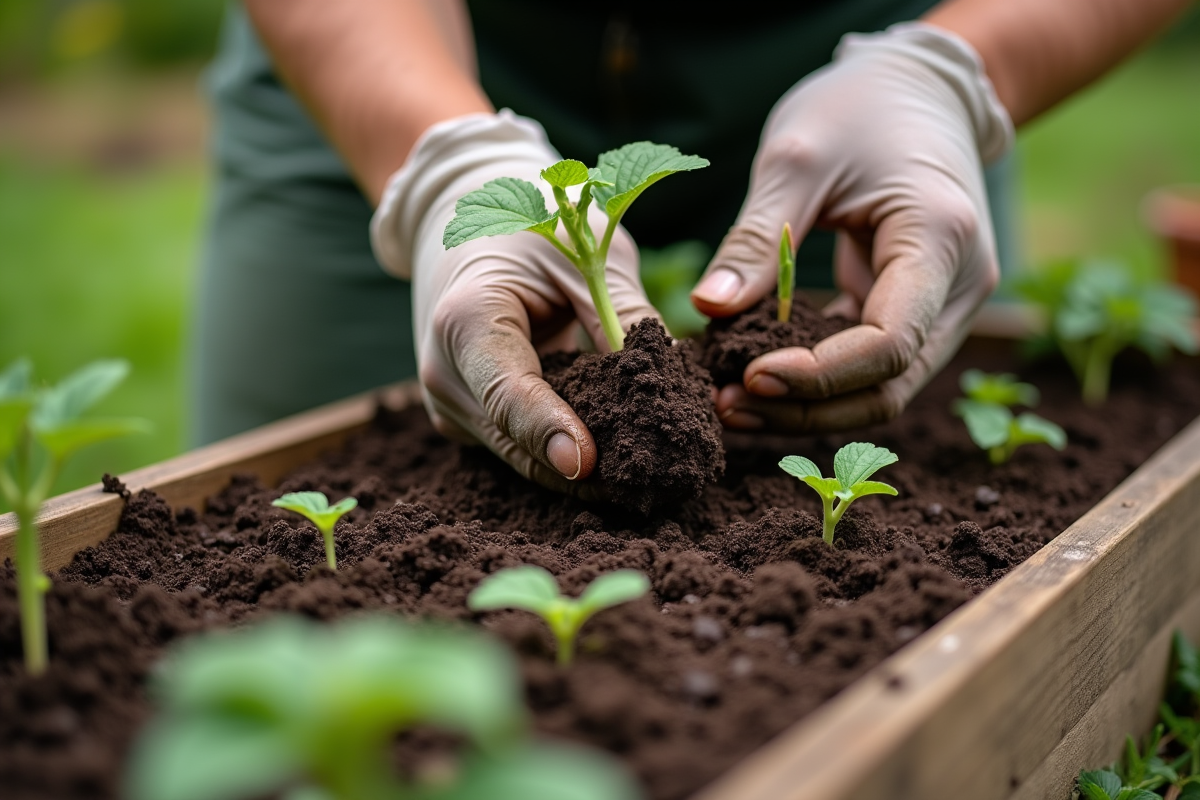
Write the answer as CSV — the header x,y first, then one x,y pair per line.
x,y
699,689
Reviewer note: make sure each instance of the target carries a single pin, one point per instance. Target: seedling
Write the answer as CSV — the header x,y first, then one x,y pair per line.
x,y
852,465
993,426
787,274
1098,310
39,430
510,205
314,506
534,589
296,709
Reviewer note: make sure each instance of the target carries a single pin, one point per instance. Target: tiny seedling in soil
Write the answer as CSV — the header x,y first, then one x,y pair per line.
x,y
296,709
787,274
852,465
990,422
510,205
40,428
314,506
1096,310
534,589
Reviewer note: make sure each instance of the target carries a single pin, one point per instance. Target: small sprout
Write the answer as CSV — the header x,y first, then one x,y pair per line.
x,y
510,205
534,589
992,426
291,708
314,506
787,273
50,421
1096,310
852,465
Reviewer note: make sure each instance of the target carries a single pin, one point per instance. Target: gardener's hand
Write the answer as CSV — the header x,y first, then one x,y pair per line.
x,y
886,145
484,309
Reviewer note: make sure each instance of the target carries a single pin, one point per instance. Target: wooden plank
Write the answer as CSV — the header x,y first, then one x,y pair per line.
x,y
979,704
75,520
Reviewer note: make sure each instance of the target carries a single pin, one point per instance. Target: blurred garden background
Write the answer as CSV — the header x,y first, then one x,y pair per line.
x,y
103,187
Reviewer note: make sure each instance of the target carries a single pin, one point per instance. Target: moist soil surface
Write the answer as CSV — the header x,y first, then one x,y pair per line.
x,y
752,623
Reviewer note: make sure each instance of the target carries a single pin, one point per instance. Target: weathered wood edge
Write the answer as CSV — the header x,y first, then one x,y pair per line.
x,y
989,703
75,520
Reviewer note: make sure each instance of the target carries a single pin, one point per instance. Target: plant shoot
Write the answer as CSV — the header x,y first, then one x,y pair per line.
x,y
787,274
314,506
993,426
534,589
296,709
852,465
39,430
510,205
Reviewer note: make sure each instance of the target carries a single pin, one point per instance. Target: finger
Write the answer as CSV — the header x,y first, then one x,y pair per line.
x,y
917,254
843,305
484,335
785,186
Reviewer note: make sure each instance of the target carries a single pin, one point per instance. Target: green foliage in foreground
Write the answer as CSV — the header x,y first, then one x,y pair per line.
x,y
852,465
510,205
1168,765
314,506
297,709
1098,309
534,589
40,428
993,427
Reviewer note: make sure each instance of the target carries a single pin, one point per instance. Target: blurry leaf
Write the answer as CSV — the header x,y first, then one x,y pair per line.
x,y
13,413
1030,428
15,379
613,589
1001,388
545,772
77,392
64,439
988,424
526,587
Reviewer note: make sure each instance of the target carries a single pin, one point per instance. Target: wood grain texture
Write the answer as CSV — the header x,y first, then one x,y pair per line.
x,y
75,520
1011,695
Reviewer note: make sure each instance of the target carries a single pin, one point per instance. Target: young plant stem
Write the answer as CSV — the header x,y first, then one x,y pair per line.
x,y
1097,372
831,517
787,274
566,648
330,555
1000,454
25,495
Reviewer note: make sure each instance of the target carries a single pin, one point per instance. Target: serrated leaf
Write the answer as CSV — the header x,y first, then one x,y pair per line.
x,y
858,461
800,467
65,439
1032,428
565,173
1108,782
527,587
1132,793
502,206
989,424
634,168
77,392
315,507
15,379
613,589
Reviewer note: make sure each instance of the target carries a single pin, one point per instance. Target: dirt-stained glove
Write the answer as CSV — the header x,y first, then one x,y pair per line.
x,y
887,145
483,310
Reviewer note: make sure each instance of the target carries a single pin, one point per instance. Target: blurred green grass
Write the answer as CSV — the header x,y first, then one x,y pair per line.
x,y
97,262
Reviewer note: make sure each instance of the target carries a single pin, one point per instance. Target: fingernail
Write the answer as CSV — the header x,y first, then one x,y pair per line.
x,y
767,385
563,452
719,288
736,418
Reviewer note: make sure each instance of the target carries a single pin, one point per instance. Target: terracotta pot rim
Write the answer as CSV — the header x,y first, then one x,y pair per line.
x,y
1174,212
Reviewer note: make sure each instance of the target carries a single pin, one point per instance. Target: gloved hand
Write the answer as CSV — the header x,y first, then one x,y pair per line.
x,y
483,310
886,145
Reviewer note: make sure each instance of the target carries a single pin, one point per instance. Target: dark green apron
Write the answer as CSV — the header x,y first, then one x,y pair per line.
x,y
294,311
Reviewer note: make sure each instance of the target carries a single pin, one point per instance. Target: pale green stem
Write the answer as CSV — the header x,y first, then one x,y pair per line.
x,y
1097,373
831,518
330,555
598,286
566,648
787,275
31,582
590,262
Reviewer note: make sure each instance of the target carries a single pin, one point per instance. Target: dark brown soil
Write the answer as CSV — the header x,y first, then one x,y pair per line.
x,y
650,409
753,621
731,343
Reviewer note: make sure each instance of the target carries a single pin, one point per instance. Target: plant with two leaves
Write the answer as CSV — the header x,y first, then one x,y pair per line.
x,y
852,465
40,428
990,422
787,274
295,709
314,506
511,205
1097,309
534,589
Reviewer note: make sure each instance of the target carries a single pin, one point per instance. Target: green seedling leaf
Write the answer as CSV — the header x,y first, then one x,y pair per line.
x,y
852,464
546,772
15,379
1099,784
1030,428
988,424
999,388
1186,674
636,167
503,206
65,439
533,589
77,392
314,506
858,461
14,411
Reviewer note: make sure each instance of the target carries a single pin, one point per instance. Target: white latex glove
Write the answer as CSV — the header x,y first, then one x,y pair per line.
x,y
483,310
886,145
